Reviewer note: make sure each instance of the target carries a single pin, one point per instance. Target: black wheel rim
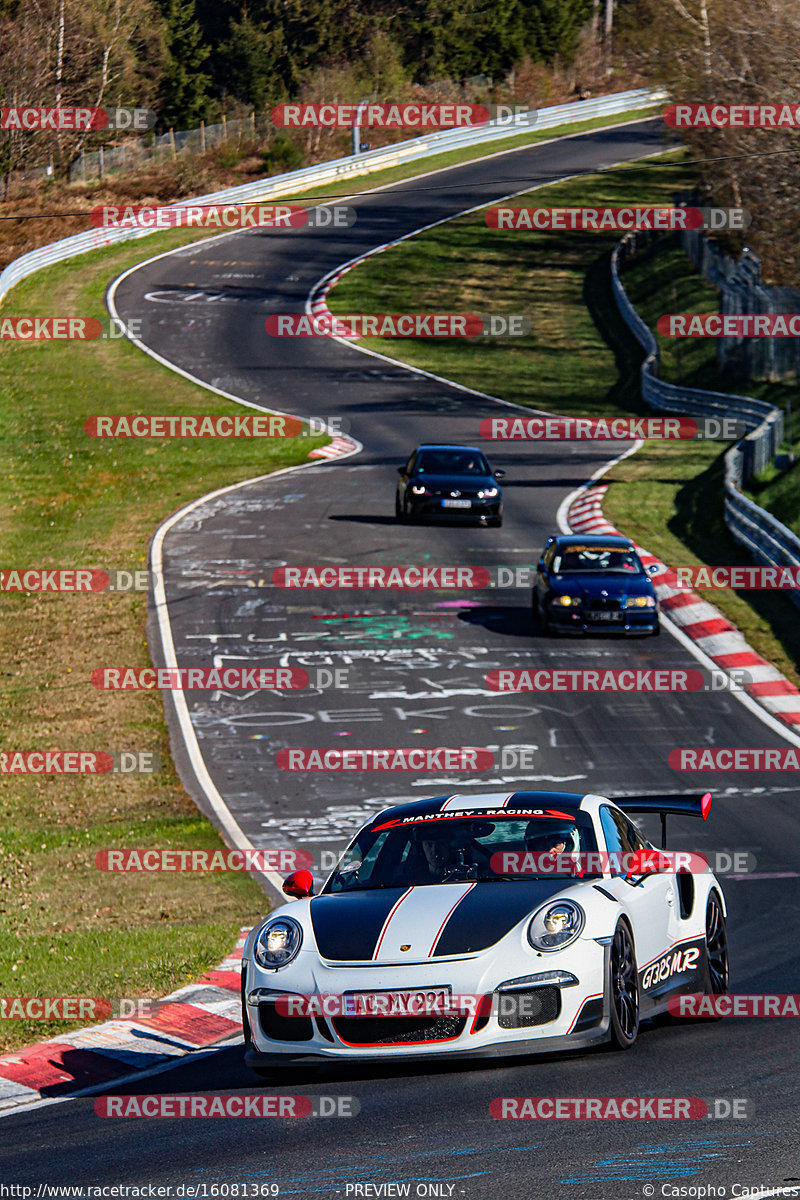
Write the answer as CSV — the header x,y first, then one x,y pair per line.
x,y
624,990
716,947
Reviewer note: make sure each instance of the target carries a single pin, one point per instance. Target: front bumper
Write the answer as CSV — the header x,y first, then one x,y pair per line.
x,y
579,1019
626,622
431,509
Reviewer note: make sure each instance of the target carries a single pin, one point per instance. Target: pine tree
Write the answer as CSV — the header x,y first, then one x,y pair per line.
x,y
184,84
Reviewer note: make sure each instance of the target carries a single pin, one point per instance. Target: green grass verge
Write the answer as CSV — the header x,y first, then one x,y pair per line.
x,y
580,359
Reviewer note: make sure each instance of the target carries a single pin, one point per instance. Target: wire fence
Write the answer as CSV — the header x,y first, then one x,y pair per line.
x,y
769,541
741,290
109,160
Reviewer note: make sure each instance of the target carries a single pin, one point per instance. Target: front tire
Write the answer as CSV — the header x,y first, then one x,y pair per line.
x,y
398,508
716,968
623,989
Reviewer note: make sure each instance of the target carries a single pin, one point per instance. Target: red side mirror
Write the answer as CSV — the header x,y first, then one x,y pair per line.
x,y
647,862
299,885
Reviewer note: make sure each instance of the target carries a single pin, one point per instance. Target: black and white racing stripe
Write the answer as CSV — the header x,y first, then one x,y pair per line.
x,y
433,921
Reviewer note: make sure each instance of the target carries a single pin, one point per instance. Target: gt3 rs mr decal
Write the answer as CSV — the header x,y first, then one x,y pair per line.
x,y
678,960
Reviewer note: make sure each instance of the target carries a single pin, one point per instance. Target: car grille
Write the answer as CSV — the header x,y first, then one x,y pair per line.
x,y
283,1029
445,493
395,1031
523,1010
603,603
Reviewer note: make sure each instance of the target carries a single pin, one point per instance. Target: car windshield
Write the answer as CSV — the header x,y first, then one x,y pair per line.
x,y
607,560
448,849
452,462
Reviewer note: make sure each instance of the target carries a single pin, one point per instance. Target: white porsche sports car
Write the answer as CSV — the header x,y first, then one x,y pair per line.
x,y
488,924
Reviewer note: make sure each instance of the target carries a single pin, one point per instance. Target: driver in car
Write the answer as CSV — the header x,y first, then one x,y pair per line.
x,y
450,853
550,845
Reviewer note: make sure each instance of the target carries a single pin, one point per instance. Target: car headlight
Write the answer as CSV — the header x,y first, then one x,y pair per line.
x,y
278,943
566,601
419,489
556,925
487,493
639,602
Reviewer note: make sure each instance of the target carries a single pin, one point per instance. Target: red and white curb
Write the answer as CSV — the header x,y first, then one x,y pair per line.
x,y
197,1016
700,621
339,447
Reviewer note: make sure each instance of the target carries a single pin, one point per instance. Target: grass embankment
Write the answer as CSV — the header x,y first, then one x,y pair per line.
x,y
580,359
67,928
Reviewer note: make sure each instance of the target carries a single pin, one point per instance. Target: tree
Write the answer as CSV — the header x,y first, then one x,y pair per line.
x,y
250,63
184,91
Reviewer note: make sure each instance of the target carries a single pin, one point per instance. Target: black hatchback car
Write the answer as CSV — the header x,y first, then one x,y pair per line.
x,y
449,481
594,583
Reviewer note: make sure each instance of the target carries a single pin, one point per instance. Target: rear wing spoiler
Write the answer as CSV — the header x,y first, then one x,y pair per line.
x,y
698,805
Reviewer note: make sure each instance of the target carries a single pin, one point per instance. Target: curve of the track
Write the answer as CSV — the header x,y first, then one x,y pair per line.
x,y
416,669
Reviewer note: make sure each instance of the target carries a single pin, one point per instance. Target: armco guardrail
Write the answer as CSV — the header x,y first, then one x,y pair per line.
x,y
770,542
763,422
346,168
765,537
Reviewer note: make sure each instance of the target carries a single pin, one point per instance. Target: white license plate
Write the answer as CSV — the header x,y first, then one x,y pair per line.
x,y
604,616
406,1002
456,504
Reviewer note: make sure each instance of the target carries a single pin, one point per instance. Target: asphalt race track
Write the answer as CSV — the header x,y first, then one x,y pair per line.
x,y
415,670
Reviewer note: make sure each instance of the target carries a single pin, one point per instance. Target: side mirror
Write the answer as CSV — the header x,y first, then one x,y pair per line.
x,y
299,885
647,862
499,474
653,569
